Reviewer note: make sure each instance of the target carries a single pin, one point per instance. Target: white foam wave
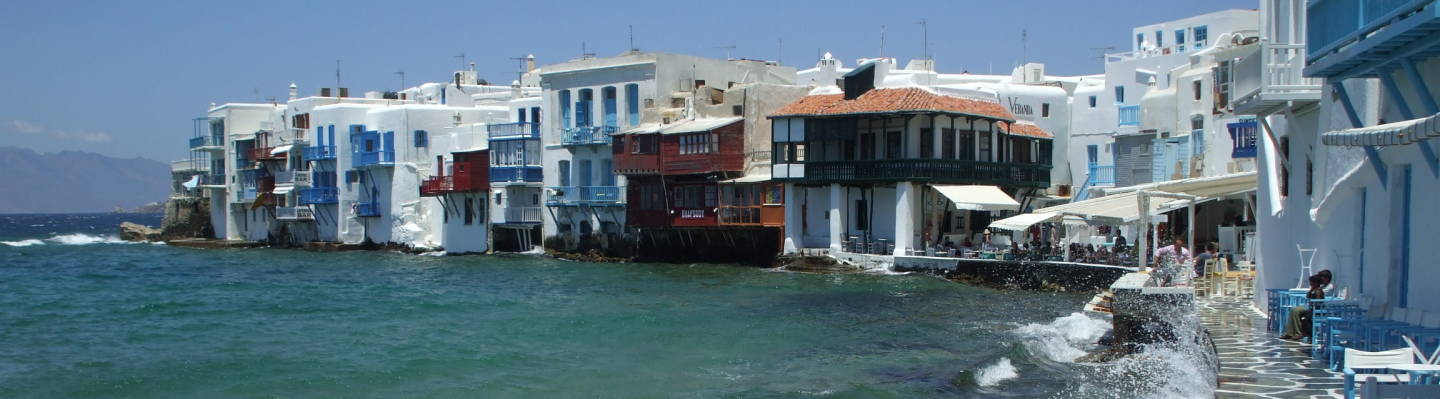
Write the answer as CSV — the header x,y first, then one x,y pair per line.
x,y
23,243
1065,338
84,239
996,373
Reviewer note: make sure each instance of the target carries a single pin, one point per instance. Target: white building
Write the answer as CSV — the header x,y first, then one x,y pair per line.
x,y
589,99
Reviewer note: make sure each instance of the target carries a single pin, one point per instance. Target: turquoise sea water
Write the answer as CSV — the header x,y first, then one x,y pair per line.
x,y
93,318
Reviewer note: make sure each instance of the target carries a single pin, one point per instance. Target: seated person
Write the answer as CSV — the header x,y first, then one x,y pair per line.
x,y
1211,252
1298,326
967,244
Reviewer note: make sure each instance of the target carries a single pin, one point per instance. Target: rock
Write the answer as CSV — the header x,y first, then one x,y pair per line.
x,y
186,218
137,232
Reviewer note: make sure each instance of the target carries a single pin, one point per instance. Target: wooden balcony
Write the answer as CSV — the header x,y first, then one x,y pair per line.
x,y
946,171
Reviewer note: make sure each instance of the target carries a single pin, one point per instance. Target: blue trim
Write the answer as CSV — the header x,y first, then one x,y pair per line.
x,y
1423,89
1430,157
1405,243
1393,90
1373,156
1349,106
1364,200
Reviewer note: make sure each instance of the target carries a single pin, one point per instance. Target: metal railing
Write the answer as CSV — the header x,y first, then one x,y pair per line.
x,y
437,185
523,214
189,165
532,174
213,179
1129,115
586,135
516,130
294,213
294,177
368,158
928,170
319,152
319,195
205,141
575,195
367,209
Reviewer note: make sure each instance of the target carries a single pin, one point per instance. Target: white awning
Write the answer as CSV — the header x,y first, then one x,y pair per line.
x,y
1024,221
699,125
282,190
750,178
281,149
1122,206
1398,133
192,183
978,198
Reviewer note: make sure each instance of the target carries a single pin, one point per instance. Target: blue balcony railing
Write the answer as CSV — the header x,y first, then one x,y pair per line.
x,y
1130,115
1364,32
319,195
584,195
205,141
586,135
1102,174
368,158
529,174
517,130
367,209
319,153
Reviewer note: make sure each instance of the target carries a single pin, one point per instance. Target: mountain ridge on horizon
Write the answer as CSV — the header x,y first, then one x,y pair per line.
x,y
72,181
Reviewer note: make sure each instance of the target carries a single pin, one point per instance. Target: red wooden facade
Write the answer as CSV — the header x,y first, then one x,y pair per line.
x,y
468,173
680,203
719,150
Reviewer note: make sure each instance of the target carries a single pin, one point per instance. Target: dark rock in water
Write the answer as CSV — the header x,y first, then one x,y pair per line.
x,y
136,232
813,264
186,218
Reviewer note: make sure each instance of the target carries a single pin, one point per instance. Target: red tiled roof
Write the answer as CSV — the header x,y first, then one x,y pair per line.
x,y
893,100
1028,129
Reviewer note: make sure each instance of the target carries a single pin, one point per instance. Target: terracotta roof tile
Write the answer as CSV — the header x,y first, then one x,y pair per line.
x,y
893,100
1023,128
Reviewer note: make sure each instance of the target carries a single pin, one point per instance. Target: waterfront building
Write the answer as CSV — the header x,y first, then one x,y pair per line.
x,y
706,175
1345,169
879,164
228,137
589,99
516,171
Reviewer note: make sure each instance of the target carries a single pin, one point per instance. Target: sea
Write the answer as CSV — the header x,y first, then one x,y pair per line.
x,y
83,315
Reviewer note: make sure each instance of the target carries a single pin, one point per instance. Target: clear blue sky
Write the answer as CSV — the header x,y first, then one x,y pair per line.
x,y
124,78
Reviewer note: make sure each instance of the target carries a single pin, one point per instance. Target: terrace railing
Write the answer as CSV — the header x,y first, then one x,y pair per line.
x,y
319,195
580,195
523,214
517,130
586,135
929,170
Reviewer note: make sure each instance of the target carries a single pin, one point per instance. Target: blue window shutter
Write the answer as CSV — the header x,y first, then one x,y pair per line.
x,y
389,143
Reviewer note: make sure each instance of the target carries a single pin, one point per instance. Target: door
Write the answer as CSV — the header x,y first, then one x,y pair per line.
x,y
586,173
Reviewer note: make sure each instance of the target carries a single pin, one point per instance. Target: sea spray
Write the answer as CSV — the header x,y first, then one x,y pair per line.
x,y
1064,339
996,373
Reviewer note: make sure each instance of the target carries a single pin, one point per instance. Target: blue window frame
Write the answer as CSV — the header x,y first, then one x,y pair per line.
x,y
1092,153
1139,41
1119,94
422,139
520,115
565,109
564,169
1092,101
1180,38
1159,39
609,104
1199,34
583,108
632,103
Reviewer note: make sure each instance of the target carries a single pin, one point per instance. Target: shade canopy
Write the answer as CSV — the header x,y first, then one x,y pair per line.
x,y
282,190
1398,133
1024,221
281,149
1122,206
978,198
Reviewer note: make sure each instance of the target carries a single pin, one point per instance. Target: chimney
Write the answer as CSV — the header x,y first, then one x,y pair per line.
x,y
324,92
530,63
294,91
474,76
344,92
515,89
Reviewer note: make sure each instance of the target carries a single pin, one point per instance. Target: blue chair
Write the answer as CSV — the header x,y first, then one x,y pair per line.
x,y
1325,313
1352,334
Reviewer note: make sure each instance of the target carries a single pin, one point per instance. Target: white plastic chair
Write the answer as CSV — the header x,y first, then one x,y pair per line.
x,y
1307,260
1373,368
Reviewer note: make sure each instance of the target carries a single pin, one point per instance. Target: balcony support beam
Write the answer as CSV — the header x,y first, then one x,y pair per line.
x,y
1387,78
1431,158
1339,87
1422,88
1372,156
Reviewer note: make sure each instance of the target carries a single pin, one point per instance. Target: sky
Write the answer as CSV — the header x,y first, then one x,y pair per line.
x,y
125,78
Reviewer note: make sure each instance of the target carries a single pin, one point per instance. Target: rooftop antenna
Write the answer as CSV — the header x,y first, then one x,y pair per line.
x,y
1024,45
462,60
584,51
257,94
1103,51
925,32
728,49
520,73
632,38
882,41
337,75
780,53
402,78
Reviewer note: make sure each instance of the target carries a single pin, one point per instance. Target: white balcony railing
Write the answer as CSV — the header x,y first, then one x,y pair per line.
x,y
1273,73
523,214
294,213
189,165
293,177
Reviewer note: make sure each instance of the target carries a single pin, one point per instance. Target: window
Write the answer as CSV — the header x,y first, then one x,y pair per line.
x,y
781,153
1197,135
894,145
1285,167
1045,110
849,149
985,154
422,139
1309,175
1119,94
947,143
867,146
564,109
1199,35
1180,39
469,211
1092,101
927,143
301,121
699,143
520,115
644,144
352,176
1159,39
1195,87
862,219
789,152
609,104
632,103
1139,41
583,108
499,198
967,145
564,171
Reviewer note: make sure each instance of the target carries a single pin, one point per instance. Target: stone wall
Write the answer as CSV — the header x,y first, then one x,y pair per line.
x,y
186,218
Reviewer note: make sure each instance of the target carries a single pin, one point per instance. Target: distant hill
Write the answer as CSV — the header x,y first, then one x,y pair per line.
x,y
73,181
